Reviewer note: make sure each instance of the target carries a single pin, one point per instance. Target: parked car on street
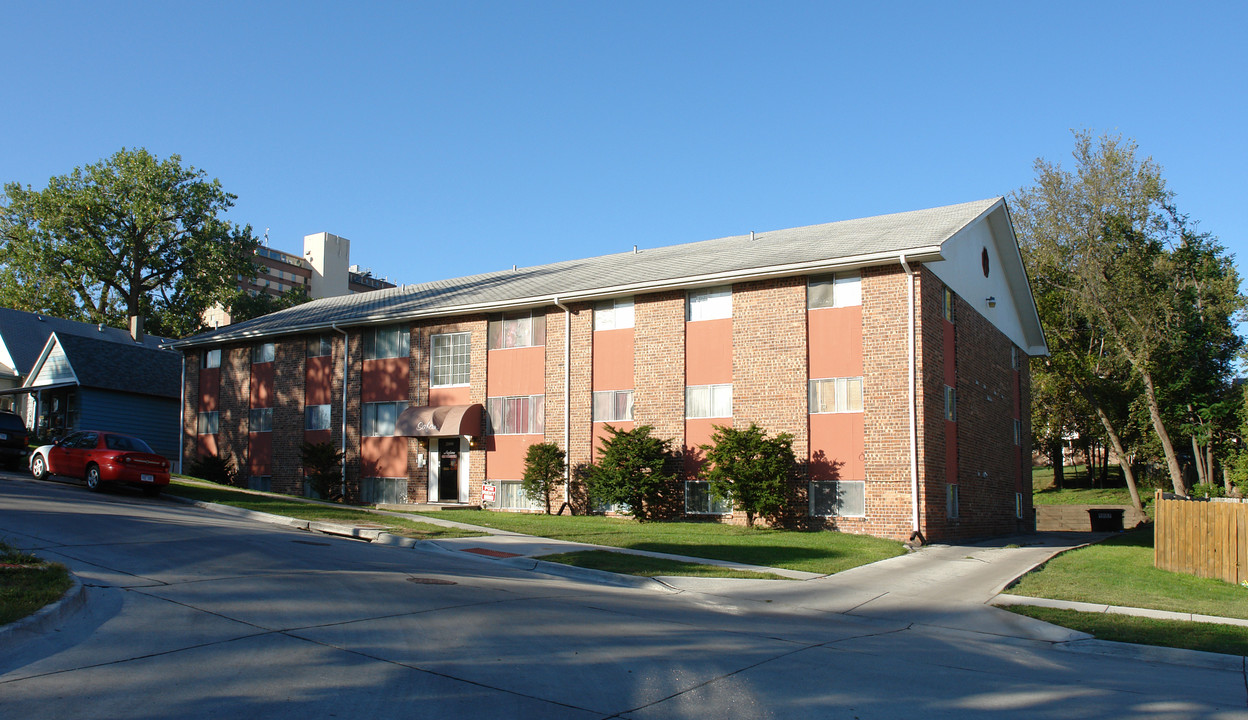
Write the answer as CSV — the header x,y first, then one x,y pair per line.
x,y
103,458
14,440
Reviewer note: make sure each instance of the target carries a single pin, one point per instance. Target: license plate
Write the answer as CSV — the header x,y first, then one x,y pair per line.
x,y
147,478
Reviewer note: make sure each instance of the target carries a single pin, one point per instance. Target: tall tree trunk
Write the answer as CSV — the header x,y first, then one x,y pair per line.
x,y
1159,427
1059,464
1123,461
1104,464
1199,458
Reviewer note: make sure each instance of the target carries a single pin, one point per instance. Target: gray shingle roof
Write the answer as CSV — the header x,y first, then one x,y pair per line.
x,y
130,368
671,266
25,334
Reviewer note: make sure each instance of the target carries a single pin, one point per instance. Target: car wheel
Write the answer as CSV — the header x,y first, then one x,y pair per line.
x,y
39,467
152,491
94,484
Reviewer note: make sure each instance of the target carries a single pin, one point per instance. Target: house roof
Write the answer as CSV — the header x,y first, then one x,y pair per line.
x,y
108,365
25,334
839,245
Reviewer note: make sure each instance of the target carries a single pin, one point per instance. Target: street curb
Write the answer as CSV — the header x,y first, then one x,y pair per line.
x,y
1155,654
1005,599
47,617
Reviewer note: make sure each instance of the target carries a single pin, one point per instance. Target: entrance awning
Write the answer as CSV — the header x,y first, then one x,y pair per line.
x,y
440,421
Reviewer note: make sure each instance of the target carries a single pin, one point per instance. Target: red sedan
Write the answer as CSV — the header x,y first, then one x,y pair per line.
x,y
103,458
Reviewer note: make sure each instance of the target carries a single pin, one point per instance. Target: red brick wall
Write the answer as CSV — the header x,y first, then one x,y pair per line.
x,y
288,401
191,360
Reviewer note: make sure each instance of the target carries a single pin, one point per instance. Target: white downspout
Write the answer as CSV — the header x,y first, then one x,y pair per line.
x,y
346,370
914,433
567,394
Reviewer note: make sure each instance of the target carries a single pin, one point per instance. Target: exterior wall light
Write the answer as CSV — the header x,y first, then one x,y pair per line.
x,y
992,301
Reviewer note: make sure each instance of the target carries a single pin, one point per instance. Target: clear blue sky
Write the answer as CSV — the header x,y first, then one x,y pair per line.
x,y
451,138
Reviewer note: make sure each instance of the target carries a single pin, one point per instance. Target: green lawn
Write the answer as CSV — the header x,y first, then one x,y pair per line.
x,y
643,566
811,551
1229,639
292,508
1119,571
1077,489
27,583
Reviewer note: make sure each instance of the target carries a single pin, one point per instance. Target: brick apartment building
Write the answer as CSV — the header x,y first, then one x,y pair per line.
x,y
894,349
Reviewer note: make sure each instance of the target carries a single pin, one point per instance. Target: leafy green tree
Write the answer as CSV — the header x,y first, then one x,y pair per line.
x,y
632,470
544,466
322,463
749,468
131,236
1107,242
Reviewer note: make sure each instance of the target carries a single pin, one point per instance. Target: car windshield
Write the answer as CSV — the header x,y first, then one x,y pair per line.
x,y
125,442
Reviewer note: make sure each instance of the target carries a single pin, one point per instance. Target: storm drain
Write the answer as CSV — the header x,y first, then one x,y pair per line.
x,y
430,581
312,542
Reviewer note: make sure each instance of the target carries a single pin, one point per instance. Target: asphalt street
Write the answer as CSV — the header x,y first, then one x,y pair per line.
x,y
191,614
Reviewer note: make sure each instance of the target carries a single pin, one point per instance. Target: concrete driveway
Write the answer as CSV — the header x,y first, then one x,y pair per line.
x,y
195,615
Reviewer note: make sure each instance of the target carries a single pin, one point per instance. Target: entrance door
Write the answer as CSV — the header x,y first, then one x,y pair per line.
x,y
448,469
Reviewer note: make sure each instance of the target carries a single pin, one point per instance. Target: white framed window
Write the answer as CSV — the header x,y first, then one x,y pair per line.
x,y
387,341
708,401
951,500
712,303
262,353
320,346
613,405
263,483
614,314
951,404
832,291
515,330
1018,505
380,418
261,420
450,359
212,358
316,417
947,304
1018,431
1014,357
836,395
519,415
838,498
700,501
207,423
511,496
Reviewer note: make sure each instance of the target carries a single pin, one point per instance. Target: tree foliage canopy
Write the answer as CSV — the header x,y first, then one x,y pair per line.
x,y
132,235
1132,297
632,470
544,465
749,468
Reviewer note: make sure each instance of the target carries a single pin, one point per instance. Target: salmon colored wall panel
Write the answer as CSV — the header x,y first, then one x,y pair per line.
x,y
708,352
837,447
262,385
450,395
516,371
383,380
260,452
698,431
315,437
600,433
383,457
209,390
504,456
318,380
613,359
207,445
834,337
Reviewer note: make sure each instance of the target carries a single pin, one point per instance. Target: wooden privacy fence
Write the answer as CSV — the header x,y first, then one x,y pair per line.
x,y
1206,538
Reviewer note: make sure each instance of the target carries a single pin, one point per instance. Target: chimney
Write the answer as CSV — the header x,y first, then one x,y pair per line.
x,y
136,327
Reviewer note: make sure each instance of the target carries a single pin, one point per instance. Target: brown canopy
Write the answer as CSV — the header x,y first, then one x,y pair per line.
x,y
440,421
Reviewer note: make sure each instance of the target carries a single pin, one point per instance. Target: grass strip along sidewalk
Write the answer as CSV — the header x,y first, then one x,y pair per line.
x,y
816,551
1119,571
27,583
301,510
